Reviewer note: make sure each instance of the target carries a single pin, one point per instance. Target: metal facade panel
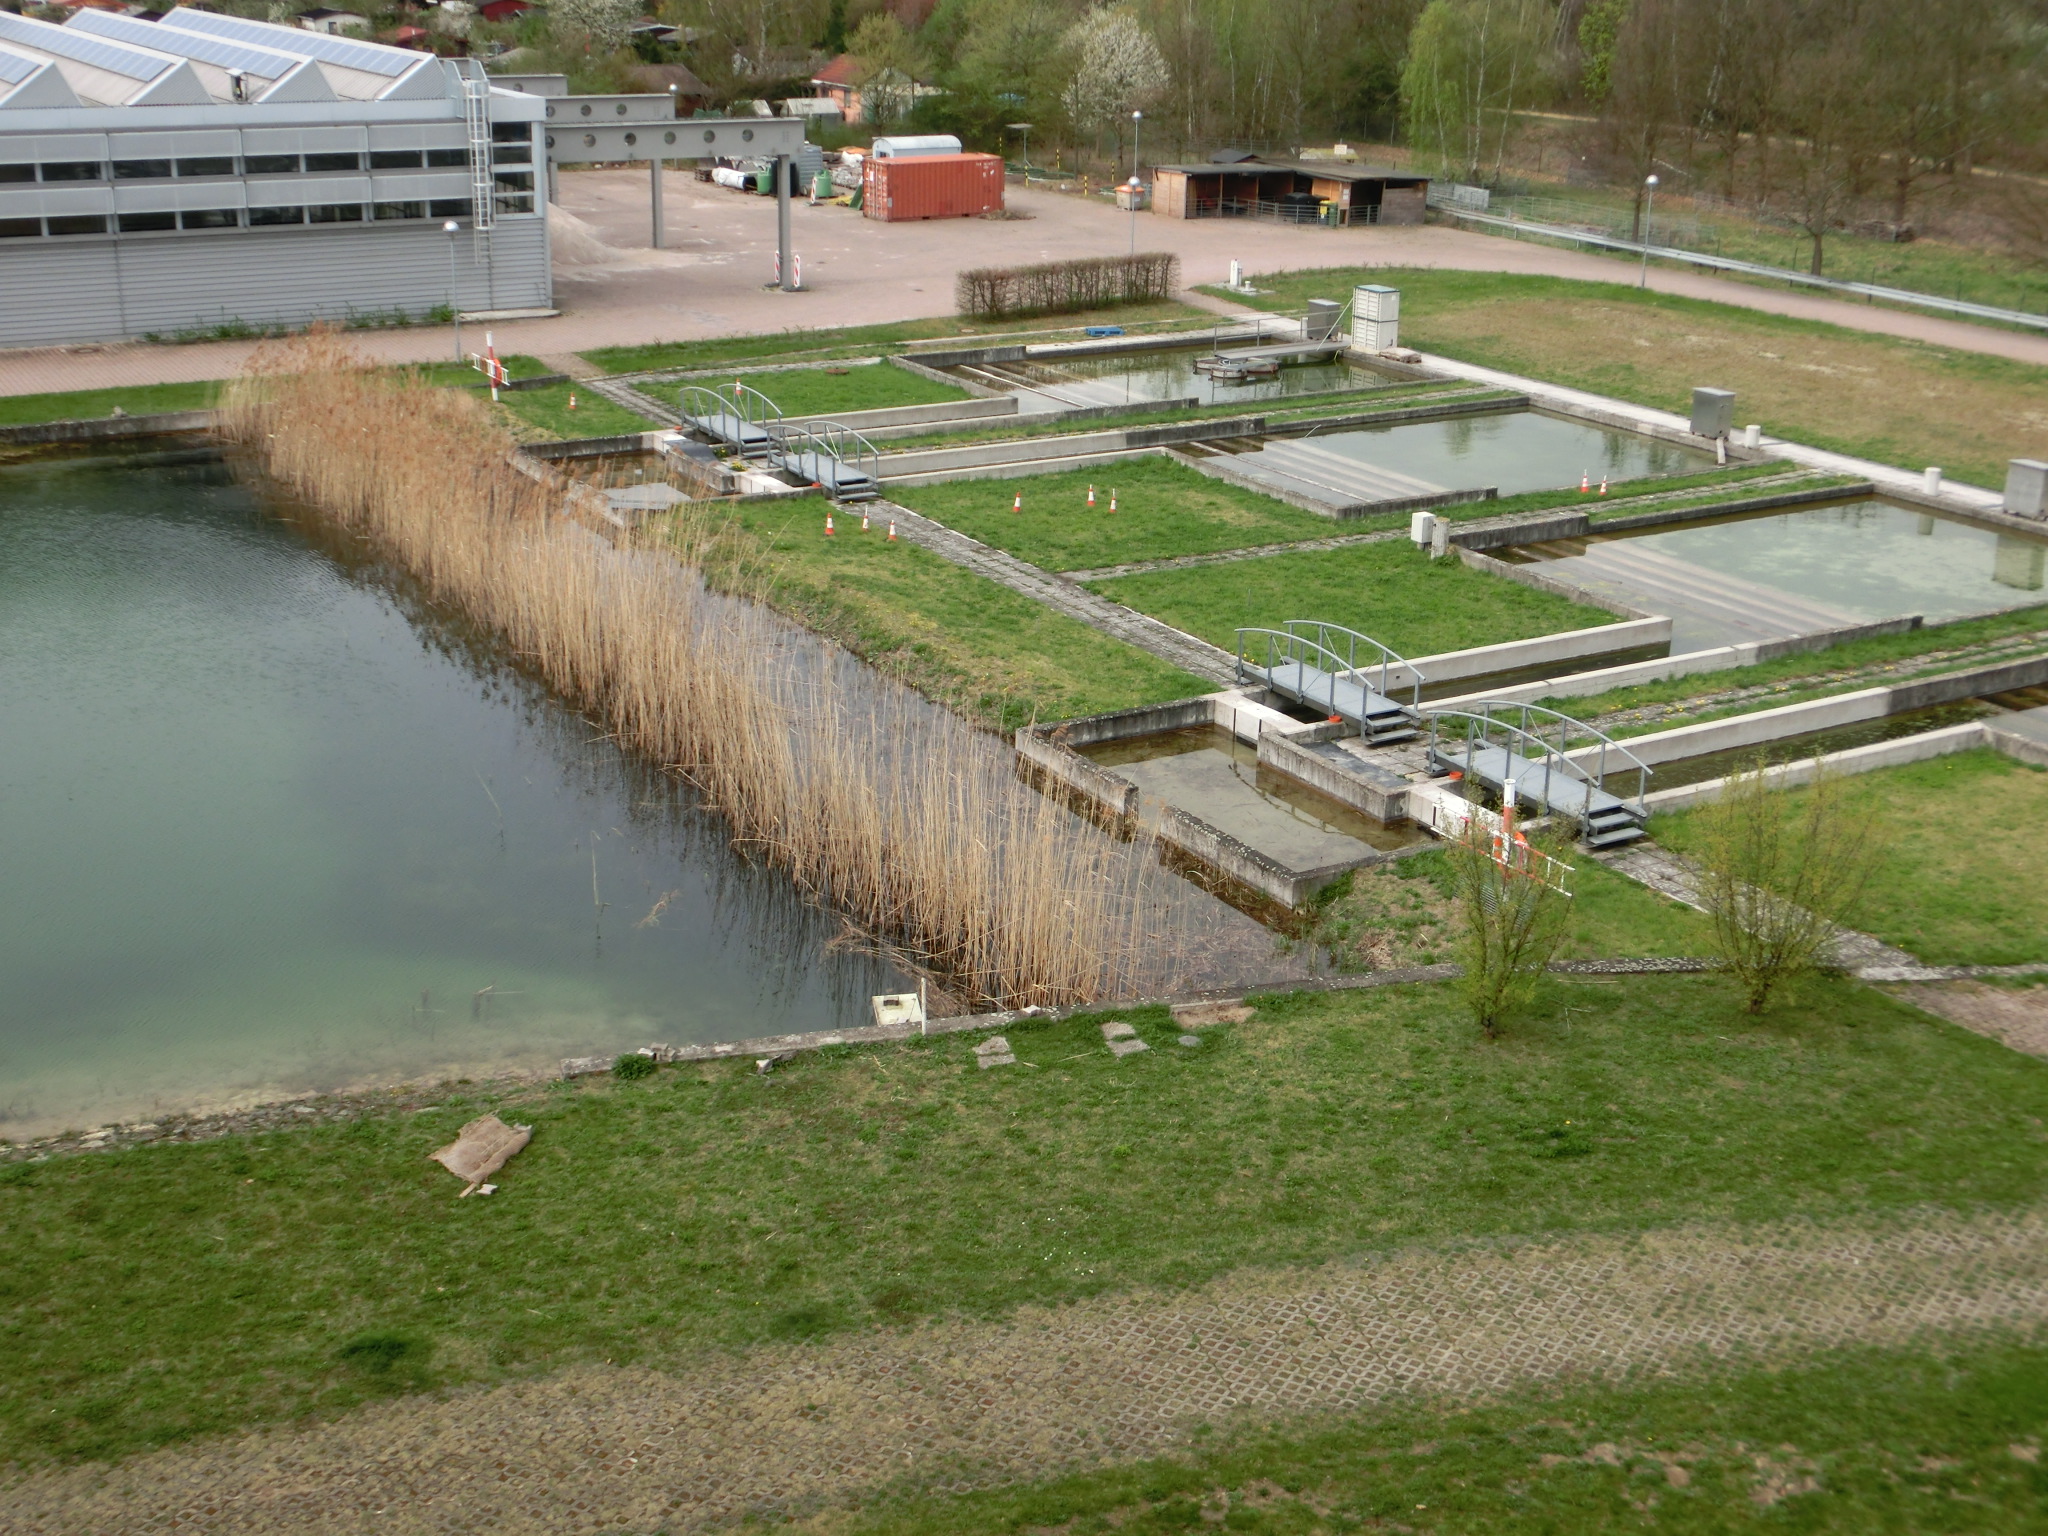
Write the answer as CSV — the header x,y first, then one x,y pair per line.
x,y
167,196
393,189
444,135
302,141
187,282
61,200
192,143
53,146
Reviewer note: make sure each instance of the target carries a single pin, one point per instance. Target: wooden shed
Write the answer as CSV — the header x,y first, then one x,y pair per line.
x,y
1289,191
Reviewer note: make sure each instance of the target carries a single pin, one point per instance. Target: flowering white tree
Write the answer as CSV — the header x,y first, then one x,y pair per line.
x,y
1119,68
602,26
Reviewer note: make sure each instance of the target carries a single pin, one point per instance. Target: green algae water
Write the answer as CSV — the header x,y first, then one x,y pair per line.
x,y
266,827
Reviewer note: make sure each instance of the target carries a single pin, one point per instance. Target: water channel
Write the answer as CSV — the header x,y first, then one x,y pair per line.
x,y
267,828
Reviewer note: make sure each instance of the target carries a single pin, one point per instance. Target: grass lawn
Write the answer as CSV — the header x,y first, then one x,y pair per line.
x,y
1859,1442
869,339
1414,605
1163,509
956,637
857,387
1814,673
1962,882
90,404
1404,913
546,415
1899,402
159,1292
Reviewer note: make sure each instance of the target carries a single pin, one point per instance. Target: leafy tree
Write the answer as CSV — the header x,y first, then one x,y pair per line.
x,y
1599,30
892,63
1513,921
1776,886
596,26
1471,64
1118,69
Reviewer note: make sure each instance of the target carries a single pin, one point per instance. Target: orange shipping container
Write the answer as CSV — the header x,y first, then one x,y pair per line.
x,y
931,186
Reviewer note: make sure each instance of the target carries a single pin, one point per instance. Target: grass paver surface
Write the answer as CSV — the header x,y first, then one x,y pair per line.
x,y
1878,397
712,351
1417,606
1163,509
954,635
1962,881
161,1292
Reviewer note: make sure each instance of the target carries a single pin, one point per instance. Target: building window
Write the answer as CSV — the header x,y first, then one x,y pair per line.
x,y
512,133
77,224
447,157
72,170
521,204
210,218
335,213
20,229
143,223
223,165
449,208
271,165
394,159
334,162
401,210
262,216
514,181
17,173
513,154
141,170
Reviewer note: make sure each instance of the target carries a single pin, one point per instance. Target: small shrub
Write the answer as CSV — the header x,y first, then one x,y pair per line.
x,y
1513,924
632,1066
1066,287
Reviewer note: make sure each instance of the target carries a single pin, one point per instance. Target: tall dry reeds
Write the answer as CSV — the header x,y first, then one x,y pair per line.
x,y
897,814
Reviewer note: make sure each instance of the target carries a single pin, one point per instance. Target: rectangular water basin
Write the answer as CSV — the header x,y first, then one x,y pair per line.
x,y
1135,378
1509,451
1207,772
1773,574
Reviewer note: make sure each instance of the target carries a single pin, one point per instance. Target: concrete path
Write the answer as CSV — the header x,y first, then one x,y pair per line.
x,y
709,282
964,1405
1199,657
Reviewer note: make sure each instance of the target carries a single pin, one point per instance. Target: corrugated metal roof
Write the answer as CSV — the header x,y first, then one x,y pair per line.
x,y
15,67
220,51
81,48
371,58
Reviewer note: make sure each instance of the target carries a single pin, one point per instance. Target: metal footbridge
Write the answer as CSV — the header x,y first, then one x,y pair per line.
x,y
827,454
1554,761
1317,664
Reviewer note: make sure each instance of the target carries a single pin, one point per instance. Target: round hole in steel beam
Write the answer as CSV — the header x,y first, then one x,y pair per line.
x,y
620,109
668,138
747,134
586,110
710,136
632,138
589,140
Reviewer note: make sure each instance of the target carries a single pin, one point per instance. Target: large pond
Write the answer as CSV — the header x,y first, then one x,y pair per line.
x,y
1805,570
265,830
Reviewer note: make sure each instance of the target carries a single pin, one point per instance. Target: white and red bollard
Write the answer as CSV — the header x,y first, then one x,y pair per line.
x,y
1017,502
892,530
1112,501
828,525
1091,495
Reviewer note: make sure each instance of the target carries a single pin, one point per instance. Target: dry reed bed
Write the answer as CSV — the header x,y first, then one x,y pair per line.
x,y
893,812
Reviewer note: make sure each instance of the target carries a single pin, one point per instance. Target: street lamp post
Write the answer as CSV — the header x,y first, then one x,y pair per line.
x,y
454,303
1137,121
1649,207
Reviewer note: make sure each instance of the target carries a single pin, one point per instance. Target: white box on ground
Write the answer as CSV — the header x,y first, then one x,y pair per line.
x,y
2026,487
1713,412
1375,318
898,1008
1421,526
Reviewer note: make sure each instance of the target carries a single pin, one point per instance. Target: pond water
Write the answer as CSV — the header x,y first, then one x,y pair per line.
x,y
1062,384
1809,569
1513,451
1207,772
267,830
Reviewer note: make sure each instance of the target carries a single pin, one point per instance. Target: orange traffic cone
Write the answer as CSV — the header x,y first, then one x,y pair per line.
x,y
1112,501
828,525
572,399
1091,495
1017,502
863,522
1603,485
1585,482
892,530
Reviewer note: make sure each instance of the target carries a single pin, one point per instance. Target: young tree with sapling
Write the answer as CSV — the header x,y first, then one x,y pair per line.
x,y
1778,886
1513,913
893,64
1472,65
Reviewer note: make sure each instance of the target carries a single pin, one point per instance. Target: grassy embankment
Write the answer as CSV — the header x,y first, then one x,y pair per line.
x,y
856,387
959,638
1862,1441
162,1292
1961,881
1404,600
1895,401
852,341
91,404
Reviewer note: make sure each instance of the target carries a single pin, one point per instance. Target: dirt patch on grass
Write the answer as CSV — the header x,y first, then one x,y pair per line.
x,y
2015,1017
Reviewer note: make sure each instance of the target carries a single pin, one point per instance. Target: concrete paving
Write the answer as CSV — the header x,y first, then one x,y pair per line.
x,y
709,282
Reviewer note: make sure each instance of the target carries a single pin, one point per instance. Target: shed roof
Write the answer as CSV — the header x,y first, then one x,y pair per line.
x,y
1327,170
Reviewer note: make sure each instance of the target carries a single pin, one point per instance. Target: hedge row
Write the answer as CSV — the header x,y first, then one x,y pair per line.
x,y
1066,287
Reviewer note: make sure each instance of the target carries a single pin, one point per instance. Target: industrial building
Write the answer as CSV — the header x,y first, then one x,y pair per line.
x,y
206,172
1235,185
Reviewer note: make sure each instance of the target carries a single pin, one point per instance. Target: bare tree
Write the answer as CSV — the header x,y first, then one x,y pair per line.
x,y
1778,886
1513,921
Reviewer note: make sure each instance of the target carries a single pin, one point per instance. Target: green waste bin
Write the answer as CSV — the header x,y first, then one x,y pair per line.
x,y
821,184
764,181
1329,212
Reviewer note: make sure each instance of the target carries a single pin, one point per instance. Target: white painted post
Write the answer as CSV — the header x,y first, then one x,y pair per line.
x,y
1753,436
1237,274
1439,537
1931,480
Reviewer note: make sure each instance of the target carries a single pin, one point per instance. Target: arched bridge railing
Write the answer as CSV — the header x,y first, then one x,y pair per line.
x,y
1549,744
737,414
1393,671
807,447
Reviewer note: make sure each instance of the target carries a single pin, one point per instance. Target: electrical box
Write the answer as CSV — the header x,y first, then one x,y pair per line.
x,y
1321,324
2026,487
1375,318
1713,412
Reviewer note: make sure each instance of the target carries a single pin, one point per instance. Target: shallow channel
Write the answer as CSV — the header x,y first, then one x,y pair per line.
x,y
1136,378
268,829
